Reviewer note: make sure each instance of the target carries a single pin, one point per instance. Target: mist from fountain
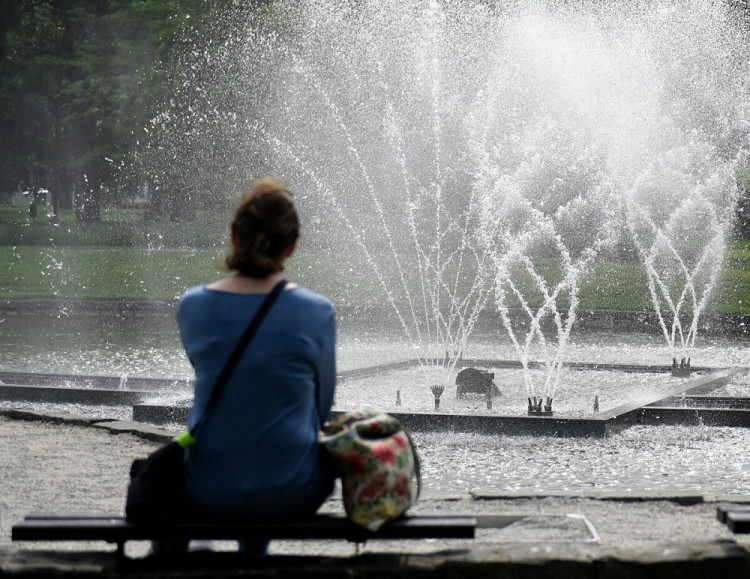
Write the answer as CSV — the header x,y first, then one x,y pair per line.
x,y
371,127
473,156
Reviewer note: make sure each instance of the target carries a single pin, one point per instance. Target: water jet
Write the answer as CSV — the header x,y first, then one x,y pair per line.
x,y
569,142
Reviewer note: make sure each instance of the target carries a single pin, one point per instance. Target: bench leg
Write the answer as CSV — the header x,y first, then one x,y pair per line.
x,y
358,547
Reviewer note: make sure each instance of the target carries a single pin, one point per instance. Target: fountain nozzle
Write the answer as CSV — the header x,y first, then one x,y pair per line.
x,y
437,392
535,406
682,370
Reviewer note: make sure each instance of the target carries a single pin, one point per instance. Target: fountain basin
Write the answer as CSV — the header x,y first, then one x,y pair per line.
x,y
599,425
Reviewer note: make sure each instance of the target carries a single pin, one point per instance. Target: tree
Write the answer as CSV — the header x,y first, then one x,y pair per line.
x,y
30,76
200,149
78,86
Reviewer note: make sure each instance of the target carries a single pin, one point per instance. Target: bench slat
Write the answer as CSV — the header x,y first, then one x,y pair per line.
x,y
70,516
117,530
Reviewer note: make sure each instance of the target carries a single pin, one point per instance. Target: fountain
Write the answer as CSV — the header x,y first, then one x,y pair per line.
x,y
460,158
470,166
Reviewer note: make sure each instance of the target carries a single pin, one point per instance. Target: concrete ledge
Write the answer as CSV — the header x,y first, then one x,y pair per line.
x,y
50,417
432,422
91,396
587,320
144,431
15,562
686,561
684,499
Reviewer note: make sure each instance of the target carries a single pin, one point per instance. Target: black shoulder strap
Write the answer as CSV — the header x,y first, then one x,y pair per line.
x,y
239,349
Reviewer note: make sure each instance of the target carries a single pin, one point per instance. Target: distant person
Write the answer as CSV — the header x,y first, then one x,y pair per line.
x,y
257,456
32,210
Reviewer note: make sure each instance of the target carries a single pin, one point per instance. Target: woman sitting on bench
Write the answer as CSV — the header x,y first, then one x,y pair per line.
x,y
257,456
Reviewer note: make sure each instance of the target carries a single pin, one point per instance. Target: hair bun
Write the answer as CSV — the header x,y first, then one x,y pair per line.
x,y
265,225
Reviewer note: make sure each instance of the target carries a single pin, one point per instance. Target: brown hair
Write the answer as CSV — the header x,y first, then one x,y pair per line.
x,y
265,224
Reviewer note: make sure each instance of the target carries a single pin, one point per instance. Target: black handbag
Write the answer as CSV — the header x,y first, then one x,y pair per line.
x,y
156,491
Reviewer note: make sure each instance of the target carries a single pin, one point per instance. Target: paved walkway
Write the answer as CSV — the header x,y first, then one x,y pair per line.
x,y
69,465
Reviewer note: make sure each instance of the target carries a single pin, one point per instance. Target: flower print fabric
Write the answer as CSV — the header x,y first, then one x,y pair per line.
x,y
378,465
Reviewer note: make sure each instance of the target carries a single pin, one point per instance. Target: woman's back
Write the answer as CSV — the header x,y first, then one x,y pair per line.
x,y
257,455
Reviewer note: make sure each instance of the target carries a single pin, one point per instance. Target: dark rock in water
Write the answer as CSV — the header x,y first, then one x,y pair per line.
x,y
473,381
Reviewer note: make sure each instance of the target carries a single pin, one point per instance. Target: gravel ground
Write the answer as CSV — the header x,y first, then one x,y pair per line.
x,y
62,468
71,468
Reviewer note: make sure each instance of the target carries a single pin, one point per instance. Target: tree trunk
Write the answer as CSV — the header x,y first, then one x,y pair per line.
x,y
88,197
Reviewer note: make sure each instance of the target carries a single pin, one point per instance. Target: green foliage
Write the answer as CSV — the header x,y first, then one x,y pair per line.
x,y
79,83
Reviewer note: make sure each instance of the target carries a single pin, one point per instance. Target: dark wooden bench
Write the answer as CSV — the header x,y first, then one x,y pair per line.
x,y
115,529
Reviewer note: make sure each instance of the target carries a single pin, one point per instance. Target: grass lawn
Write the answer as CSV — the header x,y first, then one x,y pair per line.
x,y
89,273
122,258
159,275
163,275
118,228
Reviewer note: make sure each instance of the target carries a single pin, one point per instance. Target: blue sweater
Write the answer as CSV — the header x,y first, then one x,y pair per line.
x,y
257,455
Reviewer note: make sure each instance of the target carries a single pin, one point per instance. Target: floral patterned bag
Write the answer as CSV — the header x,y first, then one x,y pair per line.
x,y
378,463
